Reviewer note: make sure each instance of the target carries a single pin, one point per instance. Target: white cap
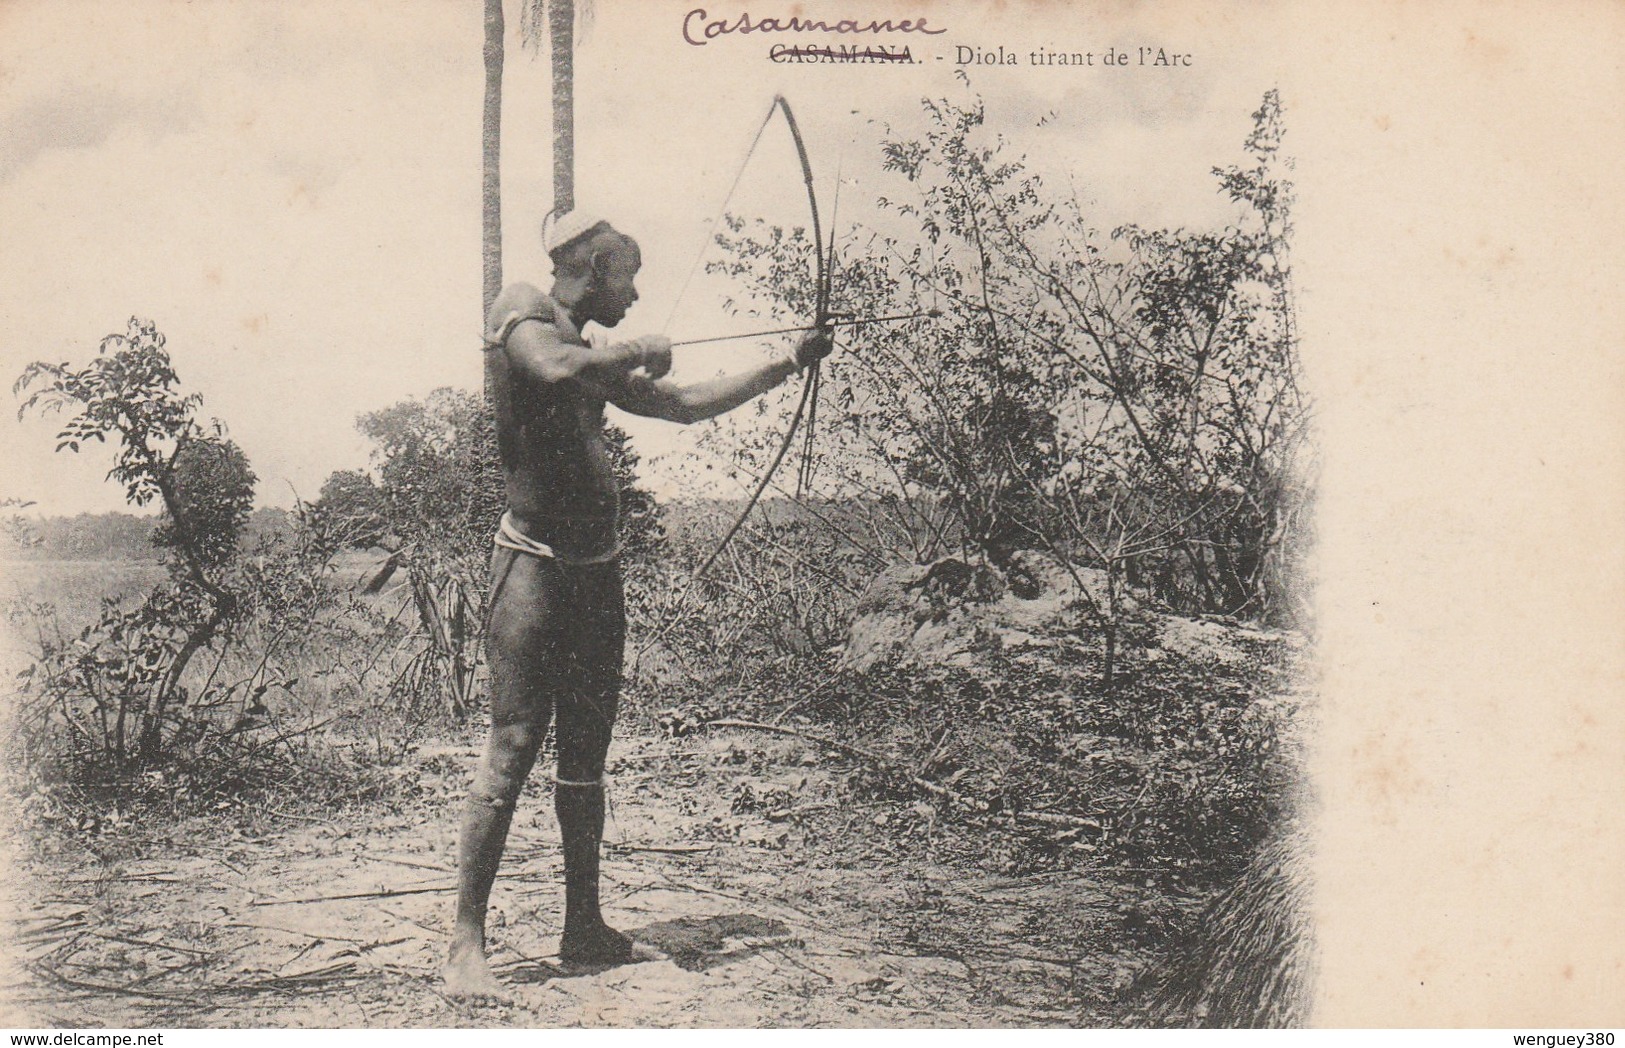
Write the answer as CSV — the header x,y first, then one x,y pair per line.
x,y
559,230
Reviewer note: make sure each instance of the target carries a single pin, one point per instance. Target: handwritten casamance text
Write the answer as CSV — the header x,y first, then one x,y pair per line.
x,y
699,28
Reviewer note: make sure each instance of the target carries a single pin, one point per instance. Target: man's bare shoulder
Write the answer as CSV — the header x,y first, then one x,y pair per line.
x,y
518,300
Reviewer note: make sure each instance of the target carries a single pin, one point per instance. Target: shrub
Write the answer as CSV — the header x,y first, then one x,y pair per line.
x,y
179,683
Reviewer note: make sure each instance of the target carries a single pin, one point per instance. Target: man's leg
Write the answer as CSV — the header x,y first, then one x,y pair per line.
x,y
586,718
522,644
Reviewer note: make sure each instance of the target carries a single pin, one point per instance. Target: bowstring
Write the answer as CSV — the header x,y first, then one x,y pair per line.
x,y
808,388
716,220
810,385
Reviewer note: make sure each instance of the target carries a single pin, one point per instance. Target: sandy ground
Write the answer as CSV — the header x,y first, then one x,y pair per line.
x,y
773,902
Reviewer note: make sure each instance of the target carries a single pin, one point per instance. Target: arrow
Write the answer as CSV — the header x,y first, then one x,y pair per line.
x,y
810,327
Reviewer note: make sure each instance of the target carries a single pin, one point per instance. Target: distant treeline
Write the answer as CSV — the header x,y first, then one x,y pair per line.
x,y
106,536
128,537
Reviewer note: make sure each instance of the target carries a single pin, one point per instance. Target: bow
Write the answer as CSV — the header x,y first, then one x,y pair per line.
x,y
807,405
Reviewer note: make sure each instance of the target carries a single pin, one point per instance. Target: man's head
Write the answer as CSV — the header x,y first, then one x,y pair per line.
x,y
594,268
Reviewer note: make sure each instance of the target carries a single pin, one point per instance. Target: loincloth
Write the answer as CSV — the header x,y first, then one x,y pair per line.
x,y
508,536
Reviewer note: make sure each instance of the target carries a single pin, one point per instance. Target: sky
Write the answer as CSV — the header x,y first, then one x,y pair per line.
x,y
291,191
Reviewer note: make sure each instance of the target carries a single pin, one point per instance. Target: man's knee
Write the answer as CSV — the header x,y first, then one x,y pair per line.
x,y
507,763
497,787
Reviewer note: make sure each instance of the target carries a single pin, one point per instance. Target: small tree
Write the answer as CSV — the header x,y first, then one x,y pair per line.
x,y
350,497
129,695
130,392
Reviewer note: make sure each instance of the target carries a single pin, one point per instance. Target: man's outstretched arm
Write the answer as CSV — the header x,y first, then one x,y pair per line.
x,y
699,401
696,402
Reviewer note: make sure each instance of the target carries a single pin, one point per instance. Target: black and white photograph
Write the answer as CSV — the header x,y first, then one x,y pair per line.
x,y
637,514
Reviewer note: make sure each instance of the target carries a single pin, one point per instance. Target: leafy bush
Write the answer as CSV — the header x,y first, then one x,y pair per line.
x,y
213,491
783,589
1125,400
179,684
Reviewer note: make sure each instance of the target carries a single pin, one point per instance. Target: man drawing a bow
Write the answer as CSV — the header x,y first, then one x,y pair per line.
x,y
557,621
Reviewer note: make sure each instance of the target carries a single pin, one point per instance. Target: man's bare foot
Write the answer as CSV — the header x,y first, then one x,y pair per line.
x,y
598,944
467,974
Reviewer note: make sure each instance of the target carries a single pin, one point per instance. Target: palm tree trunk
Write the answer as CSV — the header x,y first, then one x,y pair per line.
x,y
560,22
491,182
